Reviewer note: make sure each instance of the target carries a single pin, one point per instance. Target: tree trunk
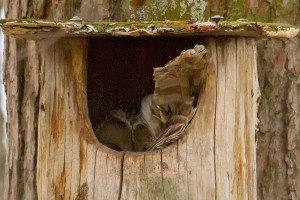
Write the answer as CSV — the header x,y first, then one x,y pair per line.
x,y
52,153
278,143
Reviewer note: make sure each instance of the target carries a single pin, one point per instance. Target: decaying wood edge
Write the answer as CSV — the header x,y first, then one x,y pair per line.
x,y
38,29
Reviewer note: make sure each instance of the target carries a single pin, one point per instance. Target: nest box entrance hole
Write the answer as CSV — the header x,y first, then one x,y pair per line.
x,y
120,70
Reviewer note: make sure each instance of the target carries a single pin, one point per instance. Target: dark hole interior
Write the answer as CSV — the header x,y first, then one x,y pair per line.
x,y
120,70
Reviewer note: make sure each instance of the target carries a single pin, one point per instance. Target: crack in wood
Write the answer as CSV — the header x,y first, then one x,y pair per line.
x,y
121,176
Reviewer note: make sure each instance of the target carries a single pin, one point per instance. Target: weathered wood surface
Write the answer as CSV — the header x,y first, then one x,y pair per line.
x,y
22,66
38,29
237,91
72,164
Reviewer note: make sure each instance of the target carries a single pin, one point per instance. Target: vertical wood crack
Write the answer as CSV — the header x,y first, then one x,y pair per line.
x,y
162,175
121,176
216,103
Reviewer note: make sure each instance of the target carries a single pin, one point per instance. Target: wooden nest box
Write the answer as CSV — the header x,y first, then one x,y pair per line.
x,y
89,69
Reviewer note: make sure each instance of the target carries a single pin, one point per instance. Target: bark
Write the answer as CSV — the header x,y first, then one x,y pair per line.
x,y
22,83
278,143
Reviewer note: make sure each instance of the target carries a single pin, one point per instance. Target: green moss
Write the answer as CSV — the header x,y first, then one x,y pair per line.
x,y
196,10
236,10
31,28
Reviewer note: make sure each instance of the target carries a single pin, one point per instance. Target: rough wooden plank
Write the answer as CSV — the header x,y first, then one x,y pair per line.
x,y
182,168
90,169
170,175
49,174
191,164
200,152
234,156
58,124
75,178
44,131
37,29
68,161
220,125
225,116
43,144
81,178
55,180
240,142
57,121
141,178
204,126
153,172
252,96
143,192
100,175
114,175
132,170
239,189
244,143
83,187
230,106
108,174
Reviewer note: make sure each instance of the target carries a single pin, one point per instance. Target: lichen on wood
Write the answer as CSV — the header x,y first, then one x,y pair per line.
x,y
35,29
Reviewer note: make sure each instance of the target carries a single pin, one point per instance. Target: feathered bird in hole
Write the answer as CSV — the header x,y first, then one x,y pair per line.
x,y
166,113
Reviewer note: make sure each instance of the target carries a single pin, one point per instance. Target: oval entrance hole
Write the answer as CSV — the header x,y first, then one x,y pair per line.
x,y
120,72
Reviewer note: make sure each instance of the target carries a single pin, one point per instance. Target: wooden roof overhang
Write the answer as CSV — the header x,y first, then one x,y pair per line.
x,y
39,29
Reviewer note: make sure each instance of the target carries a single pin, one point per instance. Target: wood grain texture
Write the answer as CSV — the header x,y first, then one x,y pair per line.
x,y
64,129
22,77
72,164
235,119
226,59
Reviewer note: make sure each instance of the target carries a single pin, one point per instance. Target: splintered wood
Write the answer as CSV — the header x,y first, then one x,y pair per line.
x,y
166,113
215,159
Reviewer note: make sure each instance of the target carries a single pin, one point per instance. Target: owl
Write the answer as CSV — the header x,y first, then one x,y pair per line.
x,y
115,131
165,114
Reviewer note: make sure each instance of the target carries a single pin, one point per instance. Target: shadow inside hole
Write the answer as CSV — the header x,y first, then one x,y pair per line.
x,y
120,70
